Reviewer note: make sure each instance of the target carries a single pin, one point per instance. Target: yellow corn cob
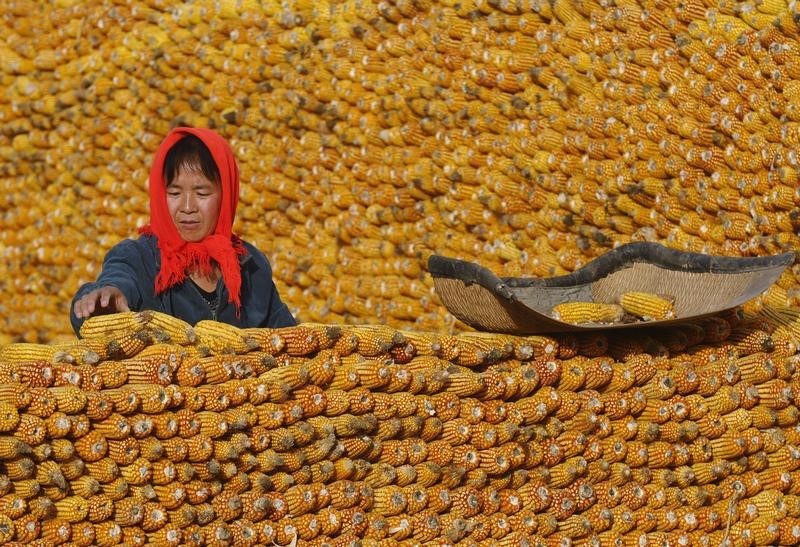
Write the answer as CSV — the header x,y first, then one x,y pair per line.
x,y
9,417
107,533
128,344
71,469
298,341
216,369
222,338
89,351
69,399
154,364
72,508
477,348
114,427
113,324
263,339
13,505
168,328
91,447
49,474
112,373
647,305
27,488
375,340
100,508
123,451
587,312
12,448
327,335
41,402
98,406
6,528
27,528
22,352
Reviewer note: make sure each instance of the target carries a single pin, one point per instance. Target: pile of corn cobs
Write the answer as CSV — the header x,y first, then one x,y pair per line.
x,y
150,431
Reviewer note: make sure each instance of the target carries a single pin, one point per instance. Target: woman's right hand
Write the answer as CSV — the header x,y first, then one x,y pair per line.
x,y
100,301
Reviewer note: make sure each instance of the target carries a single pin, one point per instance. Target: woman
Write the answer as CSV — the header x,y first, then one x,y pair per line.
x,y
187,262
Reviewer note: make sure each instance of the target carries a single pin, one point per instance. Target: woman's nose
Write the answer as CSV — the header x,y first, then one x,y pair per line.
x,y
188,204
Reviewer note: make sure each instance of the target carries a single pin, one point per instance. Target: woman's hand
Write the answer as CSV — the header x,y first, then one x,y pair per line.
x,y
100,301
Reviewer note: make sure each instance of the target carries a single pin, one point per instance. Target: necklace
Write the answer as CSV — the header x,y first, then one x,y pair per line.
x,y
210,298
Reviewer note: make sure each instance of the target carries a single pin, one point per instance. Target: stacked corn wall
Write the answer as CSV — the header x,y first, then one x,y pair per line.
x,y
151,432
530,136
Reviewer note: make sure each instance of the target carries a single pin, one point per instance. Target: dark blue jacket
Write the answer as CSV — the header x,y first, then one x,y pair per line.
x,y
132,265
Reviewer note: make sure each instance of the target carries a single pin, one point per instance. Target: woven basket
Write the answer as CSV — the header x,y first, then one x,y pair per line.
x,y
701,285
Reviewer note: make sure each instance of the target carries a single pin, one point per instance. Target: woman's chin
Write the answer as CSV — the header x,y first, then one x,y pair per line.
x,y
191,237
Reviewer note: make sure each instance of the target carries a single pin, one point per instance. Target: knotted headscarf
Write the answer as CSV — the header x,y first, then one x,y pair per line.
x,y
222,247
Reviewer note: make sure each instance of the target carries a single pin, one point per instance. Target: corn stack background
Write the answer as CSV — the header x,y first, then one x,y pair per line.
x,y
528,136
151,431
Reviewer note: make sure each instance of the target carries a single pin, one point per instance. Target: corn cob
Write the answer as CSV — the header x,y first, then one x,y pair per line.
x,y
128,344
27,528
481,348
263,339
298,341
154,364
72,509
222,338
168,328
56,530
587,312
105,325
22,352
648,306
85,351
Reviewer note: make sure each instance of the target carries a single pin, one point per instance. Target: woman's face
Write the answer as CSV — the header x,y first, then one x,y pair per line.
x,y
193,202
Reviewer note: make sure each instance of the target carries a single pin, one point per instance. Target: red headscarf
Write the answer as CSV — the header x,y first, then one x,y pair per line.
x,y
221,247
